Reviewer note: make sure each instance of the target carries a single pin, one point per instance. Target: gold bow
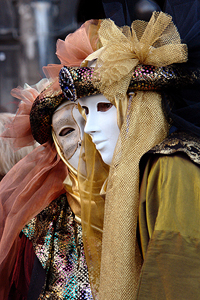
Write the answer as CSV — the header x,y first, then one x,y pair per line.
x,y
155,43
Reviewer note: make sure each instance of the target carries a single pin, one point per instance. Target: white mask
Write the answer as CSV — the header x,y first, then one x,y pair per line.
x,y
101,124
68,125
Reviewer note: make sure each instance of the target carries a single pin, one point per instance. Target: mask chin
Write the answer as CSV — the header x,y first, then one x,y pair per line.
x,y
107,158
74,159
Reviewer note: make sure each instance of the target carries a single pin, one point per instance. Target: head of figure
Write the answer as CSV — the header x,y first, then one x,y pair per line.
x,y
54,117
101,124
68,125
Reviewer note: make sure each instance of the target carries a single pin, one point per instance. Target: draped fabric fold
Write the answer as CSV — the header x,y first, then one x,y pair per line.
x,y
29,186
19,131
26,190
78,46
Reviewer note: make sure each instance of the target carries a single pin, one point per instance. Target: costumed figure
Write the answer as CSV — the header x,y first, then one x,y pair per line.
x,y
41,249
145,90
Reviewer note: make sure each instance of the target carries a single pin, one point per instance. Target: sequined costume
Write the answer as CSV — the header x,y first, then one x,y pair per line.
x,y
57,242
54,232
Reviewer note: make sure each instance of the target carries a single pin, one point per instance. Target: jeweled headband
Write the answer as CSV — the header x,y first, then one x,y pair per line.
x,y
78,82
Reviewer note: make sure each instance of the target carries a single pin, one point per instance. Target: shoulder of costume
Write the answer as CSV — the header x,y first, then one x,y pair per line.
x,y
177,142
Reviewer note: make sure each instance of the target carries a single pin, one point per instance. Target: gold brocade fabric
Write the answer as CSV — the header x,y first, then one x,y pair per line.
x,y
179,142
142,125
169,225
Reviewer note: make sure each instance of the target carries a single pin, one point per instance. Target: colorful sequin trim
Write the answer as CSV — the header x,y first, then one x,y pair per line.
x,y
78,82
148,78
57,242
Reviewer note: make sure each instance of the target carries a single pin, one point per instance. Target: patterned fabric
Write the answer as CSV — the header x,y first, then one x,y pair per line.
x,y
42,111
176,142
78,82
57,242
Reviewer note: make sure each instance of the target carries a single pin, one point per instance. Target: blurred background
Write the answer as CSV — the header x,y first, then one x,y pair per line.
x,y
29,30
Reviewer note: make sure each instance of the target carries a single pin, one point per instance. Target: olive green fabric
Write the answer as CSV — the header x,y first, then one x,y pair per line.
x,y
169,225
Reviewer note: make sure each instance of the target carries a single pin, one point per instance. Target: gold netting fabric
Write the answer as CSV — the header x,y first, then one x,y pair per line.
x,y
142,125
92,174
154,43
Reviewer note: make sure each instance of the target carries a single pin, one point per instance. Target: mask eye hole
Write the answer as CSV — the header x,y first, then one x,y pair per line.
x,y
104,106
66,131
86,109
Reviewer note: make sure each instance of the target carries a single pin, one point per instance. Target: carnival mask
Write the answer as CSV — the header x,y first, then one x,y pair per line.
x,y
101,124
68,126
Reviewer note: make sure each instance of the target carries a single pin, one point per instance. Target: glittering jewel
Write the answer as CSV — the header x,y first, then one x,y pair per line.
x,y
66,84
78,82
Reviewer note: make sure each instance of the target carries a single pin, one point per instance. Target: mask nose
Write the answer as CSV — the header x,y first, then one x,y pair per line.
x,y
91,125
